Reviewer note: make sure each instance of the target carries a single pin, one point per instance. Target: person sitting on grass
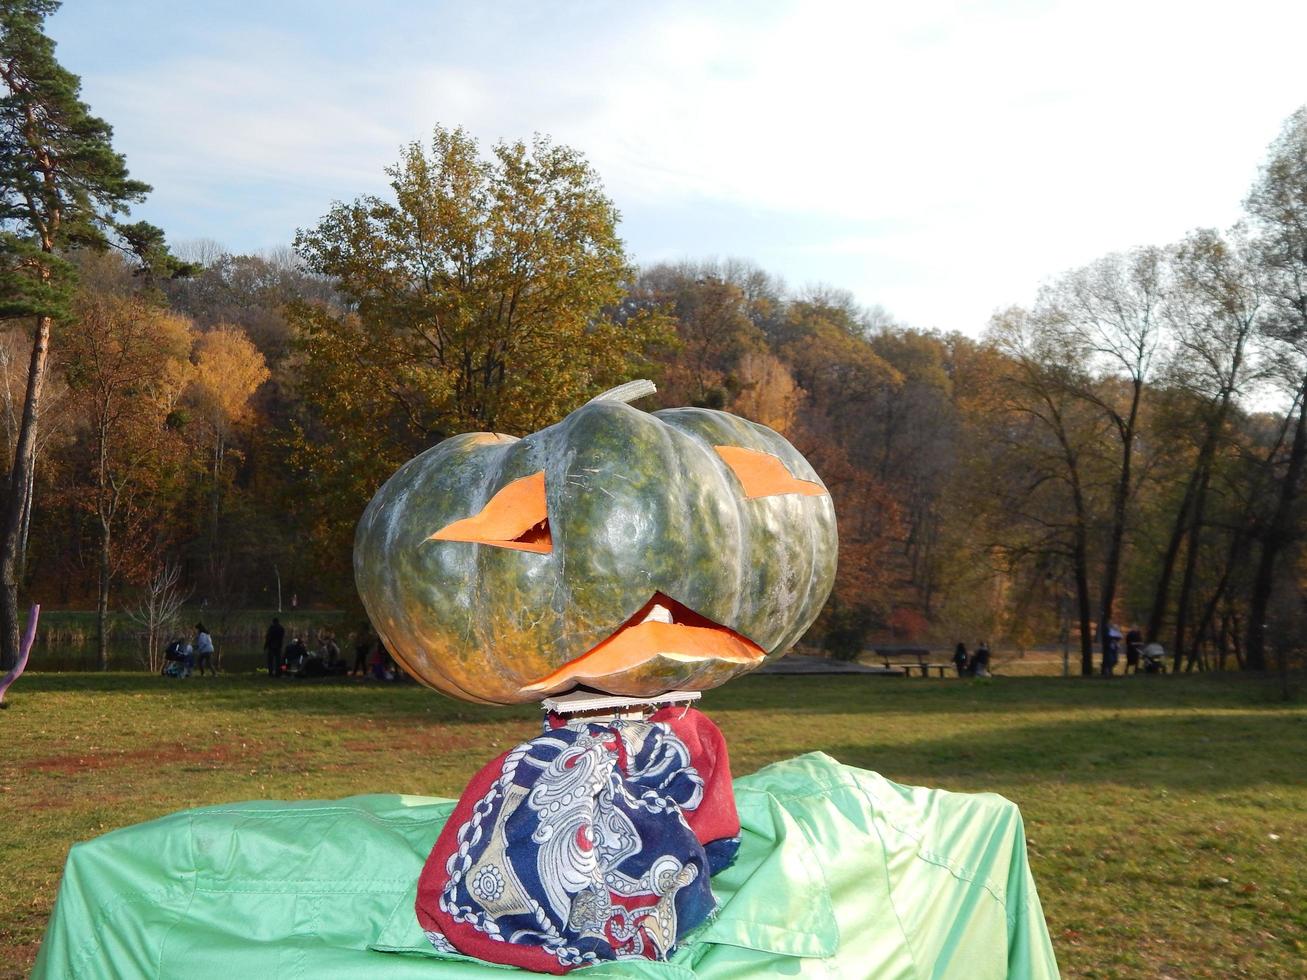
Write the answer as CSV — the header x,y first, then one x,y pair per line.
x,y
296,651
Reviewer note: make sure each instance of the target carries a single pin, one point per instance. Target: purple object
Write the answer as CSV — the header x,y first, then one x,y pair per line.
x,y
29,638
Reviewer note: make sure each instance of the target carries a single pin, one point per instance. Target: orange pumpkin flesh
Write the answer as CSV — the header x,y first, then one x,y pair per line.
x,y
763,475
514,518
689,637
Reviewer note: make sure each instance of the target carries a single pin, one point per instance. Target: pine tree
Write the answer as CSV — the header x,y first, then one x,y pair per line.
x,y
62,186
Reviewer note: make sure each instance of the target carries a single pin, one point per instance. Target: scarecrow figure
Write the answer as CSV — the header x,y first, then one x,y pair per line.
x,y
609,567
613,565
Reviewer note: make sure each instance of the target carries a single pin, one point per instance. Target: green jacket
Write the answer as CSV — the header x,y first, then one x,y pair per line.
x,y
841,873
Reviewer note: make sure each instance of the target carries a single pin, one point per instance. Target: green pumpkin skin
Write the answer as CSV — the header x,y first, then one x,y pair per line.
x,y
638,503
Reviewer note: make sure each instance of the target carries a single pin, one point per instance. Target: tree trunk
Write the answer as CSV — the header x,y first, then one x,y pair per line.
x,y
1183,600
1273,540
1157,614
27,518
1237,545
1116,541
1084,608
17,500
102,599
1223,643
1079,550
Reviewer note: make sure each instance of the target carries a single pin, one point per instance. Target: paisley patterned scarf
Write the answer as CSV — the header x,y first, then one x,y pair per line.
x,y
592,842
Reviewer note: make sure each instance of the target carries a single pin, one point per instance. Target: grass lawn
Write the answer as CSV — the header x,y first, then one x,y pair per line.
x,y
1166,816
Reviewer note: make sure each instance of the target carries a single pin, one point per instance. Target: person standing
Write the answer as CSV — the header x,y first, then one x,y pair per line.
x,y
960,659
1134,647
272,643
362,647
1111,651
203,650
330,650
380,661
980,660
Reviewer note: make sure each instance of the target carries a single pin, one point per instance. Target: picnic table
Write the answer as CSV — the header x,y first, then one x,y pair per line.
x,y
912,658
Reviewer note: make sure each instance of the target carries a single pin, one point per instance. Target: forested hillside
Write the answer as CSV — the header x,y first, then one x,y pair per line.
x,y
1128,448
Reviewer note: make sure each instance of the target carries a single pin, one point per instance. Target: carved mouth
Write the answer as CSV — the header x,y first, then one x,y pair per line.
x,y
662,628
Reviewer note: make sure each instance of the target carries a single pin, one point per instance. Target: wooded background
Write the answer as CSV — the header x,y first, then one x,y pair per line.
x,y
205,426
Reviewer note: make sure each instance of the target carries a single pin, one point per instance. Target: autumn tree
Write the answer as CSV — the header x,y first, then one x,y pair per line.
x,y
768,392
228,369
1042,458
246,291
714,328
62,185
1278,207
1212,310
125,361
1109,311
15,358
831,358
477,296
914,446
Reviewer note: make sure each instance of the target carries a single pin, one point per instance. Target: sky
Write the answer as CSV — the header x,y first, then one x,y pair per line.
x,y
938,159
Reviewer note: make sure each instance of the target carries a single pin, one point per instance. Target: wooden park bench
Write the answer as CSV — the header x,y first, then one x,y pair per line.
x,y
910,659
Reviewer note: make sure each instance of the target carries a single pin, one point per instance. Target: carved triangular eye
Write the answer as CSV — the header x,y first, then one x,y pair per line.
x,y
764,475
515,518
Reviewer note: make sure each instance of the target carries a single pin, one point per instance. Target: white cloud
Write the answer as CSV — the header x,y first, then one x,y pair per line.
x,y
949,156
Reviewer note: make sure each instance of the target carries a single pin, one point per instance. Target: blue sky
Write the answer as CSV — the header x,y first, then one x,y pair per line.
x,y
940,159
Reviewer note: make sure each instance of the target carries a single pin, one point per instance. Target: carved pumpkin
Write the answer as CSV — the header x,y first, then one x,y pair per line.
x,y
626,551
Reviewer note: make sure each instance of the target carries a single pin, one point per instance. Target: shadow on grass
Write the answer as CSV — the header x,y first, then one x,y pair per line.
x,y
855,693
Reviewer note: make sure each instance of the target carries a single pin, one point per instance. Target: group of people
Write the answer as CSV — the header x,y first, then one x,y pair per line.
x,y
183,656
971,665
1137,656
1134,650
296,657
370,655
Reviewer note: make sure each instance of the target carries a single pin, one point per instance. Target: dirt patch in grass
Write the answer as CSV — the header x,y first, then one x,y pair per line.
x,y
76,763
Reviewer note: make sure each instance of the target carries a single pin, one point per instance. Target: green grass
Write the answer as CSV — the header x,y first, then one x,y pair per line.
x,y
1167,817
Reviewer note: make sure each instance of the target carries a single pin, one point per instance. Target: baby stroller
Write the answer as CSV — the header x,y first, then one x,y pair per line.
x,y
1152,659
176,661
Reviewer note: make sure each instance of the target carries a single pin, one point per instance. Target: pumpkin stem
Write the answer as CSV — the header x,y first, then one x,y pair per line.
x,y
628,392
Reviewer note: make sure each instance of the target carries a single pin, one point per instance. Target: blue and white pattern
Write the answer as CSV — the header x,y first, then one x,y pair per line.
x,y
581,847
